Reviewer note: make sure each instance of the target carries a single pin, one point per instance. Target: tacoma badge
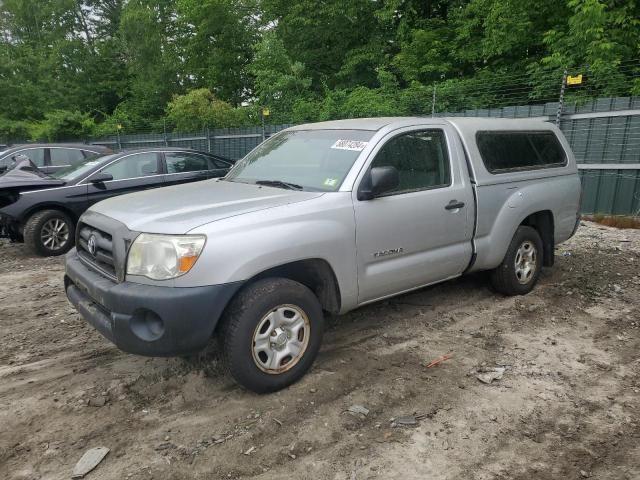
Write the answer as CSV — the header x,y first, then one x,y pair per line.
x,y
391,251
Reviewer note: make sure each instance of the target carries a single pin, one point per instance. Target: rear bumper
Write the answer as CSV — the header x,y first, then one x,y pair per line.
x,y
144,319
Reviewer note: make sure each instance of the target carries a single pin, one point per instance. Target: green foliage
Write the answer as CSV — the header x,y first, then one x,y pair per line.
x,y
13,130
199,109
147,31
60,125
325,36
424,56
365,102
279,82
121,120
77,67
596,39
218,40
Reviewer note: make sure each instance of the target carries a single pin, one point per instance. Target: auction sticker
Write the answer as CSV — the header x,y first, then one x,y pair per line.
x,y
330,182
353,145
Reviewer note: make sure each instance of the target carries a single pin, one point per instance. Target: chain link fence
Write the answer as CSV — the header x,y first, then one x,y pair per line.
x,y
233,143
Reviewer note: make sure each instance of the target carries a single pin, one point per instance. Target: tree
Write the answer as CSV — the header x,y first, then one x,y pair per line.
x,y
199,109
218,44
279,82
325,36
130,63
149,36
60,125
596,39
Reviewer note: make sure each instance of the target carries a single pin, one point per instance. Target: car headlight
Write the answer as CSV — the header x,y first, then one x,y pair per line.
x,y
162,257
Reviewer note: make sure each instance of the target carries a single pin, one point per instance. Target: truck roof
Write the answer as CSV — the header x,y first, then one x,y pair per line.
x,y
466,127
464,124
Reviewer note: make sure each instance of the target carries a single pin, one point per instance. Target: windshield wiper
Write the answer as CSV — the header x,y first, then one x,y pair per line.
x,y
279,184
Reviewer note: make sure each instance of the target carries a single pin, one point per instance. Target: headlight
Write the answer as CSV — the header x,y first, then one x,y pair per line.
x,y
161,257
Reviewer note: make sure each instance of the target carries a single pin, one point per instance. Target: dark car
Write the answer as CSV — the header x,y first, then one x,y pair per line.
x,y
42,210
51,157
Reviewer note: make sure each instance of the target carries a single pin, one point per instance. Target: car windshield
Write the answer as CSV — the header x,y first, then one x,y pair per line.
x,y
82,168
314,160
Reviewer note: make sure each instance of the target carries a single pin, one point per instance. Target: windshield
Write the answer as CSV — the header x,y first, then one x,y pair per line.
x,y
315,160
82,168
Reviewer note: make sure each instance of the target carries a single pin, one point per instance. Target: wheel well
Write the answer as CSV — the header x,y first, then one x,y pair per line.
x,y
543,222
49,206
315,274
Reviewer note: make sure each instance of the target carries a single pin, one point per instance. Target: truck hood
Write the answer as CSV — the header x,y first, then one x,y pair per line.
x,y
181,208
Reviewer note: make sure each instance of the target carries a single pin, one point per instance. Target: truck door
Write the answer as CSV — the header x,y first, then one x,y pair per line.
x,y
420,232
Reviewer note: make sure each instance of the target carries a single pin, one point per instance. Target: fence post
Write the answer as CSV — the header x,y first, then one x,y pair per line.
x,y
166,140
119,141
433,101
561,100
208,139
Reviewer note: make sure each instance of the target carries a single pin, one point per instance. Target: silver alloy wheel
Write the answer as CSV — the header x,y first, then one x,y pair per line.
x,y
55,234
526,262
280,339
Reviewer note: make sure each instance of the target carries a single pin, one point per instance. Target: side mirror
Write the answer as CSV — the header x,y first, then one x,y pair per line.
x,y
379,180
101,177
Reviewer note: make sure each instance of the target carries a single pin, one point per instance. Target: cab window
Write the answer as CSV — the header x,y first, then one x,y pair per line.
x,y
421,159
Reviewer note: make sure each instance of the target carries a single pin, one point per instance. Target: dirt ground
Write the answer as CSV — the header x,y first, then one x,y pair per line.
x,y
567,407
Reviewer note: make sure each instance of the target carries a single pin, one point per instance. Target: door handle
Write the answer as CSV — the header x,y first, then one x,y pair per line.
x,y
454,205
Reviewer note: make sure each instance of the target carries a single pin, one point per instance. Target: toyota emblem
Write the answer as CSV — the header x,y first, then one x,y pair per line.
x,y
91,245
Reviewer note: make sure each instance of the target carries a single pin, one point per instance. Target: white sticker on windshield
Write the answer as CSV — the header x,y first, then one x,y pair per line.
x,y
353,145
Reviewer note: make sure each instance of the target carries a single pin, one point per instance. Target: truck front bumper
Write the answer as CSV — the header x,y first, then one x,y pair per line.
x,y
144,319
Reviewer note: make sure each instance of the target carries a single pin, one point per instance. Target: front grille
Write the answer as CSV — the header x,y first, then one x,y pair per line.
x,y
101,258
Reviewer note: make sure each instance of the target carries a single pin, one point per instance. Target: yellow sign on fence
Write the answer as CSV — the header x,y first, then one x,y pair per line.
x,y
577,80
265,112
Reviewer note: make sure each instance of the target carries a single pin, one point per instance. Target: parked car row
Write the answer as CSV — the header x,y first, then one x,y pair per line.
x,y
40,203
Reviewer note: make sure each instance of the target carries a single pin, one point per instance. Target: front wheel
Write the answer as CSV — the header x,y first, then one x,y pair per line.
x,y
49,232
520,269
270,334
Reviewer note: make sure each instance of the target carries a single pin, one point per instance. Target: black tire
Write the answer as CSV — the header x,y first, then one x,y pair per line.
x,y
509,281
33,233
250,309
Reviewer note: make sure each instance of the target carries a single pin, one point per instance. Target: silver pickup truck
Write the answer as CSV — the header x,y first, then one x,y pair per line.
x,y
323,217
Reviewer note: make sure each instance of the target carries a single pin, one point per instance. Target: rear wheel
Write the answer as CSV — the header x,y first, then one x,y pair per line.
x,y
49,233
520,269
270,334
